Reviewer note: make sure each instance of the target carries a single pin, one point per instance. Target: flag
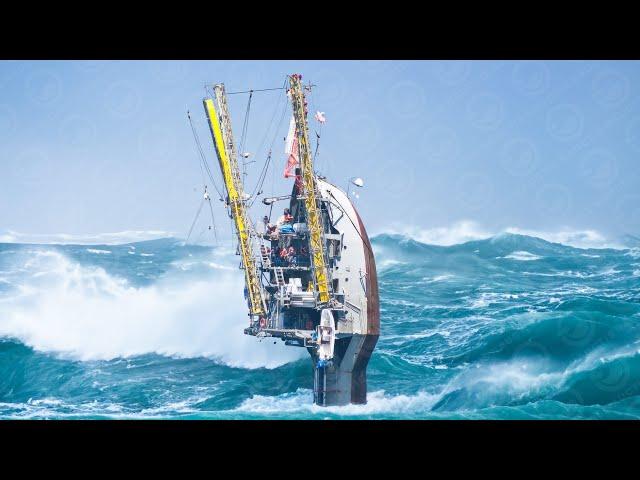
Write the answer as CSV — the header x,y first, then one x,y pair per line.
x,y
290,134
320,117
291,149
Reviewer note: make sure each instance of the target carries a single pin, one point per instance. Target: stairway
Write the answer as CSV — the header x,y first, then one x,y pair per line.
x,y
279,276
282,286
266,258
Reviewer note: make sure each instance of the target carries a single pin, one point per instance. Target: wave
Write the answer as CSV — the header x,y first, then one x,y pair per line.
x,y
459,232
467,231
117,238
301,401
522,256
83,312
601,377
507,326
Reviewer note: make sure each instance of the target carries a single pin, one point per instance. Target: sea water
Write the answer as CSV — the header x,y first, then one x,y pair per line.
x,y
507,327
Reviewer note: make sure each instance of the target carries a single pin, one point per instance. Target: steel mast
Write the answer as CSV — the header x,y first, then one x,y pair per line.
x,y
309,191
220,126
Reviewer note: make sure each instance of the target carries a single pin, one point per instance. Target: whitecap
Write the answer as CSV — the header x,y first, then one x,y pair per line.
x,y
116,238
83,312
467,230
437,278
302,401
522,255
388,262
459,232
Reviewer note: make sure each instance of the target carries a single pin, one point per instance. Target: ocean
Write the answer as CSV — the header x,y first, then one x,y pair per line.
x,y
507,327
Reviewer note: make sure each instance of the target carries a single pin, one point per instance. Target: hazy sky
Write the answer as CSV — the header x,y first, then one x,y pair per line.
x,y
88,147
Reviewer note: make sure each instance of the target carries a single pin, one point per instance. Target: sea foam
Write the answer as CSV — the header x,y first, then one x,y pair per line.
x,y
84,312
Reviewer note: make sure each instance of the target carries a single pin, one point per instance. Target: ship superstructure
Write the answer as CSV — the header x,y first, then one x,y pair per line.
x,y
310,277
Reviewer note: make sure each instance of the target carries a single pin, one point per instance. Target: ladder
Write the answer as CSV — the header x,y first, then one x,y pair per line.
x,y
282,287
279,276
314,219
266,258
220,126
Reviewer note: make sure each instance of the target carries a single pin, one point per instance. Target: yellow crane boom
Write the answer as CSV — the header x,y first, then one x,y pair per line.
x,y
220,125
309,190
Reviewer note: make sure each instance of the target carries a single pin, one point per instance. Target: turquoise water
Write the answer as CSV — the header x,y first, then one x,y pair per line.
x,y
507,327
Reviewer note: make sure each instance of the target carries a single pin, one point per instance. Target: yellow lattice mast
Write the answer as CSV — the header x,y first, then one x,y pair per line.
x,y
314,220
220,125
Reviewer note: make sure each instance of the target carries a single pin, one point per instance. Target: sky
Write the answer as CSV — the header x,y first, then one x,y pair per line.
x,y
91,147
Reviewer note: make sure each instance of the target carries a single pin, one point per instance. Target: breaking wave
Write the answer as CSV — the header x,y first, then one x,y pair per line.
x,y
83,312
466,231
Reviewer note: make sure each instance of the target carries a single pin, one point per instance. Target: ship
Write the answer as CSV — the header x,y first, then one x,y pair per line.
x,y
310,276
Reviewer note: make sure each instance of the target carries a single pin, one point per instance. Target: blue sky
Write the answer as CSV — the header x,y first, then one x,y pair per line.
x,y
89,147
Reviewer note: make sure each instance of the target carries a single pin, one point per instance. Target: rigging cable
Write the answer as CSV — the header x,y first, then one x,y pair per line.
x,y
206,195
260,182
263,175
266,133
337,204
243,135
257,190
202,157
193,224
213,221
318,135
256,90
